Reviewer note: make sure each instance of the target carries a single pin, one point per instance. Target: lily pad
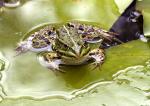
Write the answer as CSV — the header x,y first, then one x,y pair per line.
x,y
123,79
144,6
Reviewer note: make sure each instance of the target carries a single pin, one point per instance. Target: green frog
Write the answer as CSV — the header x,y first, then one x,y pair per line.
x,y
70,43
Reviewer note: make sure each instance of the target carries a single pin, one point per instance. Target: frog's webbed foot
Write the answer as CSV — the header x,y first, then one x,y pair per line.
x,y
98,56
21,48
52,61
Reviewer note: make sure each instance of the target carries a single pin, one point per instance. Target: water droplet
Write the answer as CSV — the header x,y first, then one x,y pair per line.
x,y
19,33
144,39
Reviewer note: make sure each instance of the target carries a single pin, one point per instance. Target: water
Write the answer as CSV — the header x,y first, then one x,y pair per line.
x,y
11,3
134,76
8,4
123,73
2,65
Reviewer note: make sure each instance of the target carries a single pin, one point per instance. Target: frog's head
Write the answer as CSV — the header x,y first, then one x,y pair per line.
x,y
72,46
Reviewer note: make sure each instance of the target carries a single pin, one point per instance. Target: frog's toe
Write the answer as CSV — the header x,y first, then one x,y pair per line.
x,y
96,65
53,64
98,56
22,48
51,61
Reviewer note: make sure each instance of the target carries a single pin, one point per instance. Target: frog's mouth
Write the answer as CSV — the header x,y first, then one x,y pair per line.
x,y
75,61
75,52
76,56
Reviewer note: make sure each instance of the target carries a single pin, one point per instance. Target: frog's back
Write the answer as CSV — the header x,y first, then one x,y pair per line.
x,y
72,34
76,33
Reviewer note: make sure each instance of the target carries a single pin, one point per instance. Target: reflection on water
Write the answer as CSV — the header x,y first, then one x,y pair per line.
x,y
136,76
2,65
8,4
11,3
3,62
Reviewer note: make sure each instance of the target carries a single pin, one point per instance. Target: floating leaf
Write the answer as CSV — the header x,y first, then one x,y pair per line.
x,y
25,82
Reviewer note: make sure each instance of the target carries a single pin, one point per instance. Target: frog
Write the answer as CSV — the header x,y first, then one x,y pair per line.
x,y
70,43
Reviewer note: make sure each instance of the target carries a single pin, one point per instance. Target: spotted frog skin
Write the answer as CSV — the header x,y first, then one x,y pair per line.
x,y
71,43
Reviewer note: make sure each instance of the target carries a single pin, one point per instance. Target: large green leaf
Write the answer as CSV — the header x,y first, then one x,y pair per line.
x,y
123,79
144,7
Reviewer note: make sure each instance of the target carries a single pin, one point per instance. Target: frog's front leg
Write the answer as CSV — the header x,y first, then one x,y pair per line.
x,y
98,56
51,60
